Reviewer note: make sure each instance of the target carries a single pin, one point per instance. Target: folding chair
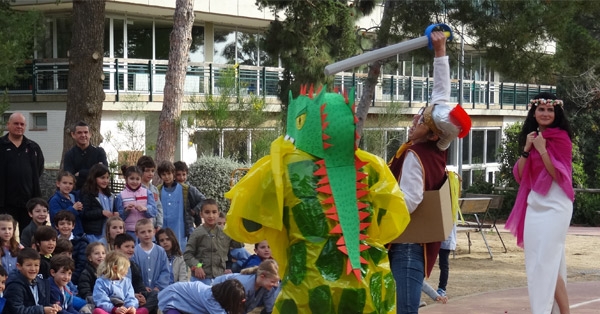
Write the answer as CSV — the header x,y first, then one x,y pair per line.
x,y
495,204
475,207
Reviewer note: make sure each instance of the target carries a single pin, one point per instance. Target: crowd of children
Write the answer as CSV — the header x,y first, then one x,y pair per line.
x,y
93,251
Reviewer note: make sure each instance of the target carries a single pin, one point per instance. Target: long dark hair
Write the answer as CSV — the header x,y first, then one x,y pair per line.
x,y
175,249
90,186
530,124
230,294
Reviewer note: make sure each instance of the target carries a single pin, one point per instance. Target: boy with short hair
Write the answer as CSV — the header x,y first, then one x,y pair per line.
x,y
147,165
38,211
65,221
45,243
151,258
206,251
25,291
196,197
176,202
61,269
125,244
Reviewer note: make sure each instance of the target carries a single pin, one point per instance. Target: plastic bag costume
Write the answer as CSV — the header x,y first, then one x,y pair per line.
x,y
326,208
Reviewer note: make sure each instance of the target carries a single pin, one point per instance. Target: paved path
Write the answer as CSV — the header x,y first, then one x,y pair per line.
x,y
584,297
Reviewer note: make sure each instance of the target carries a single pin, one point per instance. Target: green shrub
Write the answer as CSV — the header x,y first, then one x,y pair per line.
x,y
212,176
586,209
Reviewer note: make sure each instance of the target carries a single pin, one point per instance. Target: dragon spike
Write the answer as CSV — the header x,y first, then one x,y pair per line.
x,y
320,89
322,108
356,136
320,172
364,247
326,145
341,241
311,91
343,249
356,272
328,200
325,137
323,118
325,189
346,97
324,180
334,217
337,230
325,125
331,210
336,90
360,175
361,193
364,225
303,89
359,163
362,236
355,119
320,162
360,185
362,205
363,215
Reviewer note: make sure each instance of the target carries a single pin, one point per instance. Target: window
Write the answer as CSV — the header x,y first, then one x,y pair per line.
x,y
39,121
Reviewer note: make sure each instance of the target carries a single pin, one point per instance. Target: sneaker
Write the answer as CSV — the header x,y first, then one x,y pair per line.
x,y
422,304
441,292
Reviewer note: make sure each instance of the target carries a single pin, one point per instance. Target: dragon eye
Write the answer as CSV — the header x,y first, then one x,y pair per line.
x,y
300,121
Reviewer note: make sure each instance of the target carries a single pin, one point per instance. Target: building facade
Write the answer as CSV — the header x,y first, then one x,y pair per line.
x,y
225,36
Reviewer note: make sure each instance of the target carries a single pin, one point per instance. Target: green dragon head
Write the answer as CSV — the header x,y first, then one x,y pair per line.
x,y
324,125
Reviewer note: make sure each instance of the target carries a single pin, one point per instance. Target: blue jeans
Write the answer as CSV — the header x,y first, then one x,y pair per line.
x,y
408,267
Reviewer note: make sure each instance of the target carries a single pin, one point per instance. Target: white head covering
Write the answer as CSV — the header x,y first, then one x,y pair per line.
x,y
447,123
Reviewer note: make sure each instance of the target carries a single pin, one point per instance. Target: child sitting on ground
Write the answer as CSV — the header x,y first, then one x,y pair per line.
x,y
3,276
196,197
147,298
63,199
45,242
113,292
206,251
61,269
177,203
167,240
148,167
263,252
8,242
25,291
38,211
151,257
114,226
95,253
64,222
135,201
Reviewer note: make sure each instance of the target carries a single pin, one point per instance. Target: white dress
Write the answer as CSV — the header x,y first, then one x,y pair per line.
x,y
546,223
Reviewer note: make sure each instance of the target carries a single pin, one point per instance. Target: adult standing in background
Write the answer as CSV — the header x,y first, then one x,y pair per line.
x,y
81,157
21,165
543,208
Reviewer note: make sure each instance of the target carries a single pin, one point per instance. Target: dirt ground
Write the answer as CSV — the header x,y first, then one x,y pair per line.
x,y
475,272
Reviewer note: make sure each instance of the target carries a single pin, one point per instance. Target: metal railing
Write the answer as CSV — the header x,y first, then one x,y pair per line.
x,y
147,77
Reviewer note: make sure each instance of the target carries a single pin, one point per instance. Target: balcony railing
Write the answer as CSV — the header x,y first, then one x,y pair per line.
x,y
147,77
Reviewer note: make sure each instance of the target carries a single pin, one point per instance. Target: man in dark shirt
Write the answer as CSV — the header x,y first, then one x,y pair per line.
x,y
79,159
21,165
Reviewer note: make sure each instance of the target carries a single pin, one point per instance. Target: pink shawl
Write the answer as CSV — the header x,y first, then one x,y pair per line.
x,y
535,177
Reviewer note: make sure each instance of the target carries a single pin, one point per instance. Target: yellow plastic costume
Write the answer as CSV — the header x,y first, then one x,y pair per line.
x,y
289,199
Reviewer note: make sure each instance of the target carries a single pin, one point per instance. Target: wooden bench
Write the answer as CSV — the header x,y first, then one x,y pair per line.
x,y
474,207
495,205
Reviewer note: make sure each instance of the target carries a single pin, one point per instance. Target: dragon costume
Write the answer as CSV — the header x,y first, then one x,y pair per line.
x,y
326,208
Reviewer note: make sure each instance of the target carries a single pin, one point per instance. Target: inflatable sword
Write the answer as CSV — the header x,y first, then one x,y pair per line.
x,y
389,51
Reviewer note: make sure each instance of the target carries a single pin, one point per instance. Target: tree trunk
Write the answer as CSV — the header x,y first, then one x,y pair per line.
x,y
362,110
180,40
85,93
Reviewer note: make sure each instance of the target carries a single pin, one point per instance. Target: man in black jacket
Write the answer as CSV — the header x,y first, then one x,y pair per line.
x,y
81,157
21,165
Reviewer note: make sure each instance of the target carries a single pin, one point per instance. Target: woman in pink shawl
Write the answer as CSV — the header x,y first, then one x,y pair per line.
x,y
542,212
